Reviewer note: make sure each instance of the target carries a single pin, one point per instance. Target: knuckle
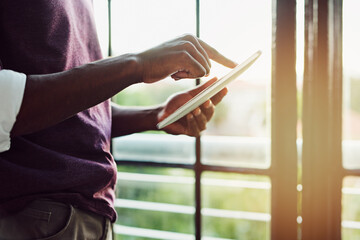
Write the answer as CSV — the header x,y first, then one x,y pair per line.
x,y
187,45
188,36
184,54
202,126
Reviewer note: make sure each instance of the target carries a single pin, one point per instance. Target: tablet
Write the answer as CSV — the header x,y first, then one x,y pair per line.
x,y
208,92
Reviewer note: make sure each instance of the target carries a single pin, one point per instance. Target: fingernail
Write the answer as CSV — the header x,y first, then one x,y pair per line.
x,y
197,112
207,104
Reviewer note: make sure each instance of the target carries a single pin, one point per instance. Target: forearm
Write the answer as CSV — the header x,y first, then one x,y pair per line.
x,y
126,120
52,98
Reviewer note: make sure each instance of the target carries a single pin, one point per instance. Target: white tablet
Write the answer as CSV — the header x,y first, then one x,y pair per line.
x,y
208,92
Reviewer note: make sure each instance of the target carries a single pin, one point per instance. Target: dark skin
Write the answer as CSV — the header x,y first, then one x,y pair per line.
x,y
51,98
128,118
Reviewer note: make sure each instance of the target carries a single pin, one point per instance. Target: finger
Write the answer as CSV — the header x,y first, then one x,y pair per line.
x,y
219,96
175,129
216,56
188,66
200,118
192,126
194,40
208,109
202,50
180,75
196,53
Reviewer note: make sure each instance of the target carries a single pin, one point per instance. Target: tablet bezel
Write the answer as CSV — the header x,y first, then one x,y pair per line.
x,y
208,92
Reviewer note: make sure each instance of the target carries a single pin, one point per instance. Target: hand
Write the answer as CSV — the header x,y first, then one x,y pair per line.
x,y
183,57
195,122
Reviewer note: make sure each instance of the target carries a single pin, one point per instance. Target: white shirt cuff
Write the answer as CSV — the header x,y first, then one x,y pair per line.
x,y
12,87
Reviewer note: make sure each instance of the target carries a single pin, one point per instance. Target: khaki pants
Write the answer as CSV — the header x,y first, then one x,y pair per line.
x,y
46,219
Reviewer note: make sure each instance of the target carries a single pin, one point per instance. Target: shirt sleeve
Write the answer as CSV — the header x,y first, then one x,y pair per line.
x,y
12,87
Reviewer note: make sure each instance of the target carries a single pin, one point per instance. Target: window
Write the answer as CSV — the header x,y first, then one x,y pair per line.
x,y
351,122
279,159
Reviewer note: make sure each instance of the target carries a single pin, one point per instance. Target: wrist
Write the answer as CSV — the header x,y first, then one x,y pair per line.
x,y
127,67
134,64
155,115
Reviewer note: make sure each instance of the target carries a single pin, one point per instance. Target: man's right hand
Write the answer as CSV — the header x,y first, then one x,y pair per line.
x,y
51,98
183,57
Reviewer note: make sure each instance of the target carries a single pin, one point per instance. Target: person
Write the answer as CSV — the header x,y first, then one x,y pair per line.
x,y
57,174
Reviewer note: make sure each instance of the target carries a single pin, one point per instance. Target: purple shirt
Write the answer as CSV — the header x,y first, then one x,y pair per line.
x,y
71,161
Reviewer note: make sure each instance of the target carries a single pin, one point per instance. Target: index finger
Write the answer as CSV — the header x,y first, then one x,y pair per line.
x,y
216,56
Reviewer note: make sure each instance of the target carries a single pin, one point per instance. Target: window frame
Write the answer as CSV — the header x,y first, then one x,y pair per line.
x,y
322,121
283,168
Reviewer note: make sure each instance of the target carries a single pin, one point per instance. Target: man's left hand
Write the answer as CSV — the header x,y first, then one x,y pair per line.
x,y
195,122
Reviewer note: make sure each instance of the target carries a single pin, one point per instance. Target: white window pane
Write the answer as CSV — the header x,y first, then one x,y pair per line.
x,y
102,27
351,84
138,25
155,148
238,28
236,206
147,198
351,208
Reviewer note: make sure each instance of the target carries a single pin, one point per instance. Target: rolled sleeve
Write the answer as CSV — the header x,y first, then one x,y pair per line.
x,y
12,87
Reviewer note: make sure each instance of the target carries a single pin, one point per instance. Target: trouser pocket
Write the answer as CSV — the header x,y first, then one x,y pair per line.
x,y
41,219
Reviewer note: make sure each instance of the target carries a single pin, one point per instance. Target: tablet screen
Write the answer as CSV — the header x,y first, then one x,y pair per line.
x,y
208,92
